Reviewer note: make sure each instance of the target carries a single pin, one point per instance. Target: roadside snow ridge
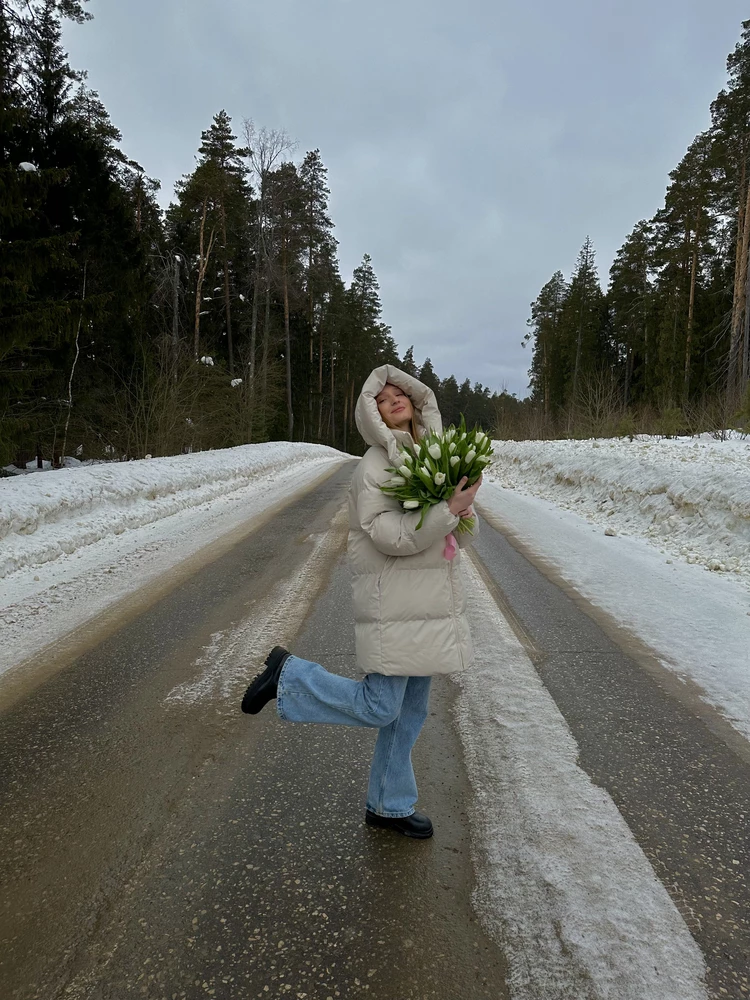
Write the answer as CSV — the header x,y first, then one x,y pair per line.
x,y
52,514
689,496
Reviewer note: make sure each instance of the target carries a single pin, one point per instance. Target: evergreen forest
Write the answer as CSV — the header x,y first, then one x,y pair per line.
x,y
128,331
666,349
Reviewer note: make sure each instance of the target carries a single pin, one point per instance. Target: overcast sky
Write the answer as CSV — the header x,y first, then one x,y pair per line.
x,y
471,147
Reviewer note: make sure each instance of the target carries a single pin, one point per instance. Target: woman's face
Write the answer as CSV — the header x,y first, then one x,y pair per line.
x,y
395,407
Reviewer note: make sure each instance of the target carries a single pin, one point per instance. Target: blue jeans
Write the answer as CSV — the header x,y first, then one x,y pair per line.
x,y
397,706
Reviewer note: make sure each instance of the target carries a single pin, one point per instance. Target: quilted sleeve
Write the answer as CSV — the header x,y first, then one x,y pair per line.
x,y
393,530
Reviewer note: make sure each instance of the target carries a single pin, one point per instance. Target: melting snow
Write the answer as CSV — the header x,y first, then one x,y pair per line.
x,y
76,540
675,510
690,496
561,881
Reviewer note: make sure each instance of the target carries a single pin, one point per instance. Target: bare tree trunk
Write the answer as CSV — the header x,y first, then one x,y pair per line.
x,y
628,377
227,301
311,320
261,258
254,319
346,404
691,314
579,342
739,301
646,369
254,323
176,305
73,366
672,351
320,385
264,148
288,344
202,267
263,402
332,419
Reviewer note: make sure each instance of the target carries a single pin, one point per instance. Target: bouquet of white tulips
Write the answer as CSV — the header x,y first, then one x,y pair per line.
x,y
430,471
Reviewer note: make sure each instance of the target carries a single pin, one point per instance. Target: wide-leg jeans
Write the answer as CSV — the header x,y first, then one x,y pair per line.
x,y
397,706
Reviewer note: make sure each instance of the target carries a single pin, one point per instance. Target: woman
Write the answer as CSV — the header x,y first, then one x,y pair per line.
x,y
409,606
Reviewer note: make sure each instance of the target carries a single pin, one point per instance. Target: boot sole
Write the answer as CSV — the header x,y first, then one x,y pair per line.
x,y
381,823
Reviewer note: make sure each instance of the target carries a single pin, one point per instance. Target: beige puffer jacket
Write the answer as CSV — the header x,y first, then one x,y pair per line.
x,y
409,600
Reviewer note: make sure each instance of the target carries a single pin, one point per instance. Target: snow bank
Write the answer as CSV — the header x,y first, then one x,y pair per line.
x,y
690,497
45,517
561,881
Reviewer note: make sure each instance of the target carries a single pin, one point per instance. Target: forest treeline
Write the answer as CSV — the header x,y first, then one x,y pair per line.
x,y
127,331
667,348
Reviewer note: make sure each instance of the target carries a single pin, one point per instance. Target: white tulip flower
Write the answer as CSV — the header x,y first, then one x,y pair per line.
x,y
452,447
470,456
455,460
426,471
411,504
396,481
463,436
480,436
439,478
435,451
484,459
405,471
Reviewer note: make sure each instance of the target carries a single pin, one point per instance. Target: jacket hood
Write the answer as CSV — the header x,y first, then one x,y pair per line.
x,y
371,425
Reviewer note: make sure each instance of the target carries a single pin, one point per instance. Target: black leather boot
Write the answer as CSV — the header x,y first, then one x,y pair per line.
x,y
265,684
417,825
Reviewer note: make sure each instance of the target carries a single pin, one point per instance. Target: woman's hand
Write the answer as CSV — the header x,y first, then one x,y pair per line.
x,y
462,499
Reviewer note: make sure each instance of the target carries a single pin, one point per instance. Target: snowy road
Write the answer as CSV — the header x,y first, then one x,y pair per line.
x,y
591,829
157,842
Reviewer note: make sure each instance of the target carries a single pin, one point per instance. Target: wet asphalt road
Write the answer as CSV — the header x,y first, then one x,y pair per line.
x,y
178,849
160,848
678,774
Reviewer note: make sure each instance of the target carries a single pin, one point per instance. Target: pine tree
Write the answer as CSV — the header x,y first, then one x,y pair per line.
x,y
264,149
464,397
286,209
363,330
224,175
730,114
684,234
449,400
86,108
36,312
320,250
584,308
407,364
629,300
428,376
547,371
207,224
48,77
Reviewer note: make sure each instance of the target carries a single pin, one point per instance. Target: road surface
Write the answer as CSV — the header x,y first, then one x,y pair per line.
x,y
155,842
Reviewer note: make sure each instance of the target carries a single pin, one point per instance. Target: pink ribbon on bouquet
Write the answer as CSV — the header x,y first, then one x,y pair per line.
x,y
451,546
